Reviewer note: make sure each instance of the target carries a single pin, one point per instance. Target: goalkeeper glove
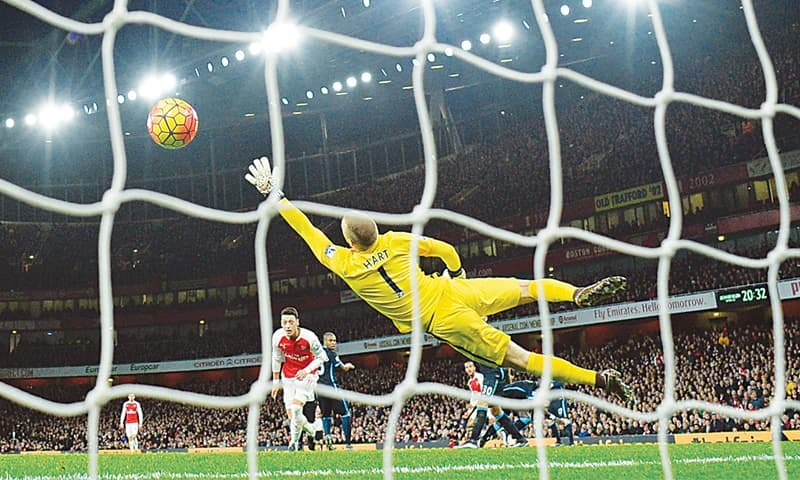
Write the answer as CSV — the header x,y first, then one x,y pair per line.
x,y
460,273
260,176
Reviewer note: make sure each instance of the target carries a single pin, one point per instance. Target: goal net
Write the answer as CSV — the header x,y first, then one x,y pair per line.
x,y
547,79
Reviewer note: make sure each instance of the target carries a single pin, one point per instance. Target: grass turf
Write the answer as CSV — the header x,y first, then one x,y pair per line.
x,y
707,461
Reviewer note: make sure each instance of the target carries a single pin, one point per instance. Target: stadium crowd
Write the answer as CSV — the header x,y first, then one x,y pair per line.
x,y
731,365
352,321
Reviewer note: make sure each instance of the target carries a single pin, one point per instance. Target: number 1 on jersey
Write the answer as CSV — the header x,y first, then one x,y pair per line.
x,y
386,278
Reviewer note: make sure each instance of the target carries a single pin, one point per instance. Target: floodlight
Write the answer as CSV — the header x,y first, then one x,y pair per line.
x,y
351,82
120,99
431,57
565,10
280,37
168,81
587,3
485,38
285,101
224,61
254,48
210,67
132,95
309,94
466,45
66,113
448,51
30,119
503,31
323,90
49,116
150,87
398,67
239,55
337,86
10,123
366,77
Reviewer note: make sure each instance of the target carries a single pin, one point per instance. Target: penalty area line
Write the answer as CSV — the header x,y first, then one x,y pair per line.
x,y
400,469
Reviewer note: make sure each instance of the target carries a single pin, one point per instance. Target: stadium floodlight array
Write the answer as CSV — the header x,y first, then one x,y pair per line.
x,y
117,194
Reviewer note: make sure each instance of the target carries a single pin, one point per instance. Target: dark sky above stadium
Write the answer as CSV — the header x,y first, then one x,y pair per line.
x,y
611,40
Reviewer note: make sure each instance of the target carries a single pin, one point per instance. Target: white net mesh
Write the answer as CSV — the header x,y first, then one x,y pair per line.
x,y
550,72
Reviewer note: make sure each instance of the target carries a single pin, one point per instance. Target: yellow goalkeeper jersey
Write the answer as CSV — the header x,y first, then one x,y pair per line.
x,y
381,276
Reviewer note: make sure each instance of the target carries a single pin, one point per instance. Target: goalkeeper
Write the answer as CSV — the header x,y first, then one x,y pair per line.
x,y
379,267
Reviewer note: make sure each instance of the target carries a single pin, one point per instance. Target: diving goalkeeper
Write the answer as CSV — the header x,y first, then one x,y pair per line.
x,y
378,268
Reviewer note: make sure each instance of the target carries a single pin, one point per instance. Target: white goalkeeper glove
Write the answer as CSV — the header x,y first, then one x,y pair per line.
x,y
460,273
260,176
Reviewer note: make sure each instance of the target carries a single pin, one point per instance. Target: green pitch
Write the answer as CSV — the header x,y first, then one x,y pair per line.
x,y
706,461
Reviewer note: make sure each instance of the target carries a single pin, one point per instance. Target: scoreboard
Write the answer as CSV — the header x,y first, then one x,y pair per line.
x,y
744,295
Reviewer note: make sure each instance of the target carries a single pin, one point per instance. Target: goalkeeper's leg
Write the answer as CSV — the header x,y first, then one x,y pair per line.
x,y
558,291
609,380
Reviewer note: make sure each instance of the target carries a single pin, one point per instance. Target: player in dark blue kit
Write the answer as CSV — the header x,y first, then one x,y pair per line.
x,y
557,410
329,406
521,390
494,380
559,414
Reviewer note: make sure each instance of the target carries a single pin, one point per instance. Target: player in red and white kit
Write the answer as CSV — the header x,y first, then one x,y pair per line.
x,y
131,419
475,385
297,358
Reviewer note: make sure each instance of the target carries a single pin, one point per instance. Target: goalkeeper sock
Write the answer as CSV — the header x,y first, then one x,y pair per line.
x,y
562,370
554,290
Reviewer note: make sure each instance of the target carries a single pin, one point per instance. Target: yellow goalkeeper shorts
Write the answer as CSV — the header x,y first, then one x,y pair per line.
x,y
459,319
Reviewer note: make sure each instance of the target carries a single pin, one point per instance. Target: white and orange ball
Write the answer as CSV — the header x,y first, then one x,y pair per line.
x,y
172,123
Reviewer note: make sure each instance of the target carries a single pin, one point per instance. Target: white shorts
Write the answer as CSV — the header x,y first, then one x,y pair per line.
x,y
300,390
131,429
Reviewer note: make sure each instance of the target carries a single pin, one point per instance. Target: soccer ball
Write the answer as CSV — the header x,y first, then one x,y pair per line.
x,y
172,123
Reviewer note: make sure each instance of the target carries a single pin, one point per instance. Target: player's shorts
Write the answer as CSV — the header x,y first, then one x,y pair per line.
x,y
131,429
558,408
494,381
459,317
522,389
301,390
329,406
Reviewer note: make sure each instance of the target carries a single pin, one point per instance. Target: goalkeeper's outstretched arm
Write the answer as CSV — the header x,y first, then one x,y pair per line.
x,y
430,247
260,176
